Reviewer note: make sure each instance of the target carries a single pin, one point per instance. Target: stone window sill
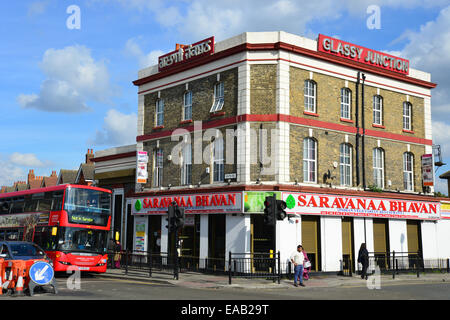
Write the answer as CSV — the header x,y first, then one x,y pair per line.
x,y
310,113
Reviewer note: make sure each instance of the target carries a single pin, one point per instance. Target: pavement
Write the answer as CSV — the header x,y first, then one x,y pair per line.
x,y
202,280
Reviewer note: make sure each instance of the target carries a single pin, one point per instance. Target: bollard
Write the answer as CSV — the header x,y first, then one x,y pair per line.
x,y
229,267
448,266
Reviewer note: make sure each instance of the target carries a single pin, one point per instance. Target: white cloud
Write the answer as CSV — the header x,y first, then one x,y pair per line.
x,y
133,49
37,8
10,173
26,159
429,50
73,77
118,129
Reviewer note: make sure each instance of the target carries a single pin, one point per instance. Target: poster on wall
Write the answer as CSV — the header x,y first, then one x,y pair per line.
x,y
254,200
140,232
427,170
141,167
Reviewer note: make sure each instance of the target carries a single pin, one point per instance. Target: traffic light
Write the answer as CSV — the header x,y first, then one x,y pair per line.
x,y
171,218
281,206
179,217
269,210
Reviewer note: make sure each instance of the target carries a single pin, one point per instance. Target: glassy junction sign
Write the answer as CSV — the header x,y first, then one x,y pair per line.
x,y
367,56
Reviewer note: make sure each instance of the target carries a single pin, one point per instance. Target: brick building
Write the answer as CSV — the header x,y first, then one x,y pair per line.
x,y
311,121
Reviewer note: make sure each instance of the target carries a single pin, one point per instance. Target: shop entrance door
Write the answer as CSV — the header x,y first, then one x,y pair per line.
x,y
154,234
216,242
311,240
262,241
348,257
381,242
190,242
414,242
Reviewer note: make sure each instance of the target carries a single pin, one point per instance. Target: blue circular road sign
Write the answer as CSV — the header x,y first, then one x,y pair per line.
x,y
41,272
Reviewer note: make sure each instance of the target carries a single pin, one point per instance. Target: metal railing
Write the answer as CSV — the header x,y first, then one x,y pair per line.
x,y
397,262
254,265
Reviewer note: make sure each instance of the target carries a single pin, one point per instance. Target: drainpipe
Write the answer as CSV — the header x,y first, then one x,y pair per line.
x,y
357,129
363,134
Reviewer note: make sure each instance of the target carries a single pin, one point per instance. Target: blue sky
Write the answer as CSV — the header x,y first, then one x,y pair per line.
x,y
64,91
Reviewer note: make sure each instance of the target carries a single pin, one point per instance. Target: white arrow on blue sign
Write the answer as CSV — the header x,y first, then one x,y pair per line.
x,y
41,272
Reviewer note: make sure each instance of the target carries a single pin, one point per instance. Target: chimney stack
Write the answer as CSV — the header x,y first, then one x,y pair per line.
x,y
89,156
31,175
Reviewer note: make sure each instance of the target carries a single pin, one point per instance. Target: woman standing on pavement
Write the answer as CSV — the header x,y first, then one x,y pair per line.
x,y
363,258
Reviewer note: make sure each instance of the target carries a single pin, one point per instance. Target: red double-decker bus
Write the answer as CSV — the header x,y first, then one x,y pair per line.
x,y
70,222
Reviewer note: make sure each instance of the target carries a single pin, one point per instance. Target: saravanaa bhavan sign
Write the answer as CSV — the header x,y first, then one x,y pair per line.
x,y
337,205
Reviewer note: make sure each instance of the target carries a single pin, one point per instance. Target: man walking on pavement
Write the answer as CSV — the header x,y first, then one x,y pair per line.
x,y
297,258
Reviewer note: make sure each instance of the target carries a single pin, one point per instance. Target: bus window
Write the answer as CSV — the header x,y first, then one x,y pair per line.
x,y
43,238
2,234
4,206
57,200
14,234
30,204
17,205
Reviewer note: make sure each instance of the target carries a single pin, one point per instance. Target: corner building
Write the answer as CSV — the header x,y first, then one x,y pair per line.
x,y
338,137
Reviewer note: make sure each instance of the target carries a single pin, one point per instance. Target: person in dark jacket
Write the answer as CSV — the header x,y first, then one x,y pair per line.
x,y
363,258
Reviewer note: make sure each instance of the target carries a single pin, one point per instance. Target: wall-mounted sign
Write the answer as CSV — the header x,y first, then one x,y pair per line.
x,y
427,170
141,167
334,205
227,202
254,200
356,53
186,53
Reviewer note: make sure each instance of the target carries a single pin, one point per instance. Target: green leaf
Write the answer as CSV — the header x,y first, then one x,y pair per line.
x,y
290,202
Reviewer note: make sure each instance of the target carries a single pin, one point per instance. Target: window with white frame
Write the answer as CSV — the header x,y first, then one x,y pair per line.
x,y
187,105
159,112
218,160
408,171
378,167
345,164
186,167
346,98
378,110
310,96
407,108
309,160
218,97
158,159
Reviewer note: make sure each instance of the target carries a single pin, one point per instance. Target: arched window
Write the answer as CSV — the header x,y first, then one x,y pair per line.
x,y
310,91
408,171
346,103
309,160
378,167
345,164
378,110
